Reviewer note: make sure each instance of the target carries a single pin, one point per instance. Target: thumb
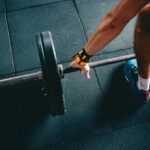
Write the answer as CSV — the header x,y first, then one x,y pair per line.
x,y
87,74
86,71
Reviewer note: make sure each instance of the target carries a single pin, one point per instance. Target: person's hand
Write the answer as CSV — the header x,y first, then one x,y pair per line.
x,y
85,70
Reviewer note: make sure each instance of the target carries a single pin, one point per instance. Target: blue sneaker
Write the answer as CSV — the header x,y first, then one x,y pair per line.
x,y
131,75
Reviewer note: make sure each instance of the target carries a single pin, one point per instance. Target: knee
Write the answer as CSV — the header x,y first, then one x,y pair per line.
x,y
143,23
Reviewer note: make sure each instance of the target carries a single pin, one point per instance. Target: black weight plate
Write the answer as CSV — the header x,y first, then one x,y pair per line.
x,y
51,79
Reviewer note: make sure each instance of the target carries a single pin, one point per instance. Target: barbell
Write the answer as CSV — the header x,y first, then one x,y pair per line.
x,y
51,73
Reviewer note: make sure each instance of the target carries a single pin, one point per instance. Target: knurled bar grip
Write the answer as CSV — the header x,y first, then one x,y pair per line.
x,y
20,79
102,62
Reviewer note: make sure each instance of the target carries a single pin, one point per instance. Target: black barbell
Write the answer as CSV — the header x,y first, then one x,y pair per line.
x,y
51,73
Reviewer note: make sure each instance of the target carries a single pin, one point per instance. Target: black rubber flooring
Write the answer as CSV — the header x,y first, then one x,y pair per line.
x,y
102,113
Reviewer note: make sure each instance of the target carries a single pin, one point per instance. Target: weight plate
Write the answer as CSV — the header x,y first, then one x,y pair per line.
x,y
51,79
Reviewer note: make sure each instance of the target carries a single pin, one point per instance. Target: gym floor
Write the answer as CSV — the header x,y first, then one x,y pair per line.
x,y
102,113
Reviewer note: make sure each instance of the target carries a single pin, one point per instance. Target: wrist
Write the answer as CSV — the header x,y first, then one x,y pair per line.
x,y
89,52
82,58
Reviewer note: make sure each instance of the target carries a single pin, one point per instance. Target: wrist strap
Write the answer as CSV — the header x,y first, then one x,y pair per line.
x,y
82,58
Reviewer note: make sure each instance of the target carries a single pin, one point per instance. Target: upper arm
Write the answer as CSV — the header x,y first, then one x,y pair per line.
x,y
127,9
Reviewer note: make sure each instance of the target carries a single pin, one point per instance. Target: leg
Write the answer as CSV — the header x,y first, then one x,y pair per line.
x,y
142,42
139,77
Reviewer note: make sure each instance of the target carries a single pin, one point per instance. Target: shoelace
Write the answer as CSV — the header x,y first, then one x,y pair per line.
x,y
134,72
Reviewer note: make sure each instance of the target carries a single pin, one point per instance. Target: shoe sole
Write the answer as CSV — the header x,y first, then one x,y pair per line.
x,y
134,94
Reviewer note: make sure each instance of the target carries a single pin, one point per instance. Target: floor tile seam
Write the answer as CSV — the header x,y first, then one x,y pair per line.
x,y
101,90
34,68
38,68
84,30
77,139
117,140
117,137
80,19
99,83
20,72
131,125
101,54
9,37
35,6
113,51
100,87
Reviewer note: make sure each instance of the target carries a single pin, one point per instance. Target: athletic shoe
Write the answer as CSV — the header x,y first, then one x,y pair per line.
x,y
131,75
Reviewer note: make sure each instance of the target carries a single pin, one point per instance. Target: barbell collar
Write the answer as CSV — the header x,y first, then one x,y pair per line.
x,y
21,79
102,62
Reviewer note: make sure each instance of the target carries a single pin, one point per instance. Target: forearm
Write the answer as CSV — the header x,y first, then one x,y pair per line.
x,y
102,36
113,24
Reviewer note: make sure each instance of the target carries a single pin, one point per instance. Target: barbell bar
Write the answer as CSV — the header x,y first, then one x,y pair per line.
x,y
102,62
20,79
51,73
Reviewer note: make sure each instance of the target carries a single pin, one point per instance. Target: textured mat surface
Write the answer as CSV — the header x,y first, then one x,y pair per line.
x,y
101,112
24,24
22,4
6,57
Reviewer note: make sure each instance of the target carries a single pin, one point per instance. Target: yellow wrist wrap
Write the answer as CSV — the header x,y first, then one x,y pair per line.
x,y
82,58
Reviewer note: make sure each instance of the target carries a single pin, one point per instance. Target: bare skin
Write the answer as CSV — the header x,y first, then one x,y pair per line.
x,y
142,42
110,28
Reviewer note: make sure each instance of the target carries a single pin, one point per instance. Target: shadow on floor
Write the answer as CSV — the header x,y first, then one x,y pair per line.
x,y
120,102
22,108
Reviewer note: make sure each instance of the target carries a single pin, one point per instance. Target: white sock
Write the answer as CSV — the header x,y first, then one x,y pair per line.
x,y
143,84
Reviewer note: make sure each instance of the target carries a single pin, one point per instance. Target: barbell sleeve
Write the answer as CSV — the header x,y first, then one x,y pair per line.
x,y
20,79
102,62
